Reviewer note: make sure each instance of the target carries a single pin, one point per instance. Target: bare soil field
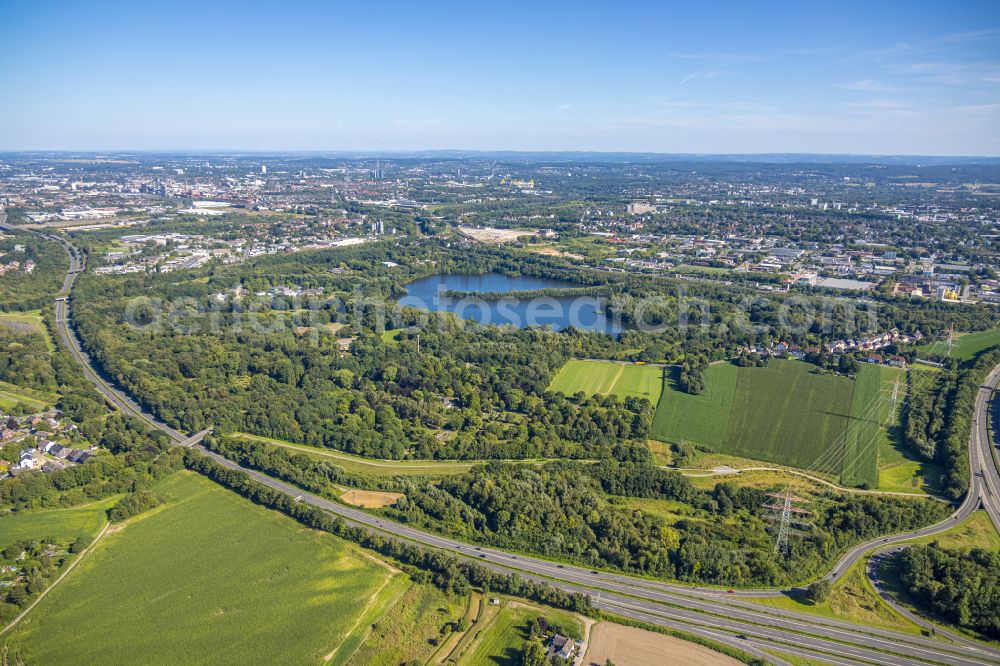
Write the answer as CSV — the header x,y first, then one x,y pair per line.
x,y
550,251
492,236
627,646
370,499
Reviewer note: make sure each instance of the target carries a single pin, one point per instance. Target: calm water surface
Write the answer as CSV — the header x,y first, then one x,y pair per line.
x,y
582,312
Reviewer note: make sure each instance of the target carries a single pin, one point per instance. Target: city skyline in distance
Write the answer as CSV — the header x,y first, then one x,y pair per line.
x,y
899,79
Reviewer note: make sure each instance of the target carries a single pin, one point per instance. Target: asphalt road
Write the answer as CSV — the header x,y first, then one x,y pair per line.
x,y
982,494
713,614
986,475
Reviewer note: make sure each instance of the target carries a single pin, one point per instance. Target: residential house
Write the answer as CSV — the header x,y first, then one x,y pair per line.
x,y
77,456
28,460
561,646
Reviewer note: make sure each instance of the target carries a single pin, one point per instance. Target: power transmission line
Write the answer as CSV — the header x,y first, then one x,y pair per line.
x,y
785,514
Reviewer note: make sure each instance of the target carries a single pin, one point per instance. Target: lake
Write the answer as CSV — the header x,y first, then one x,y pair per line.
x,y
582,312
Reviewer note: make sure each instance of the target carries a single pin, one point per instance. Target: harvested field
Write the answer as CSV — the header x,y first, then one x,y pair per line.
x,y
627,646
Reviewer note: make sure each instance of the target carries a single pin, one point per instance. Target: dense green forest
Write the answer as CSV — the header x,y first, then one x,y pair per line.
x,y
29,291
568,511
25,360
441,388
961,587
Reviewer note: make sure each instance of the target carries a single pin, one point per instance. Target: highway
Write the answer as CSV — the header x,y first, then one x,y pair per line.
x,y
713,614
986,474
982,493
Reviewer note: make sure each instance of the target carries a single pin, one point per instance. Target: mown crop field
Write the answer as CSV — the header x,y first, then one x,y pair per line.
x,y
864,430
784,413
56,524
699,419
609,378
208,577
970,344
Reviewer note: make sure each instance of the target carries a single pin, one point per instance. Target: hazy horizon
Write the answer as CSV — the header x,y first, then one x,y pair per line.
x,y
457,153
900,78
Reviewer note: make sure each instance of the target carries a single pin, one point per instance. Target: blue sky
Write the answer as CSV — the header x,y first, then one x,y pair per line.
x,y
726,77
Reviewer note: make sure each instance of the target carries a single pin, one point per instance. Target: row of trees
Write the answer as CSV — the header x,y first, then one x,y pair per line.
x,y
306,472
953,448
939,415
928,399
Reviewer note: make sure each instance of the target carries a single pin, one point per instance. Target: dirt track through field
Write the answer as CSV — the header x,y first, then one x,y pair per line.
x,y
614,380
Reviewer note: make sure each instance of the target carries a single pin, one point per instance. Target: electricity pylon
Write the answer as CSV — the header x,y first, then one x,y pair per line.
x,y
785,514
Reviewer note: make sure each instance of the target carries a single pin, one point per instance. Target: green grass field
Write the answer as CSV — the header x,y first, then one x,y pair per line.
x,y
24,321
976,531
27,322
609,378
965,345
37,401
853,598
784,413
404,634
208,577
58,524
500,645
899,470
369,466
670,511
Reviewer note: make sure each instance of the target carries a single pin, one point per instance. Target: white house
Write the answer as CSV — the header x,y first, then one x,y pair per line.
x,y
27,461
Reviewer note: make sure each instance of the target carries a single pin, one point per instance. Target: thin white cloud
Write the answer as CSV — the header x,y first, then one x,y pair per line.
x,y
868,85
931,44
951,73
704,74
720,56
991,108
